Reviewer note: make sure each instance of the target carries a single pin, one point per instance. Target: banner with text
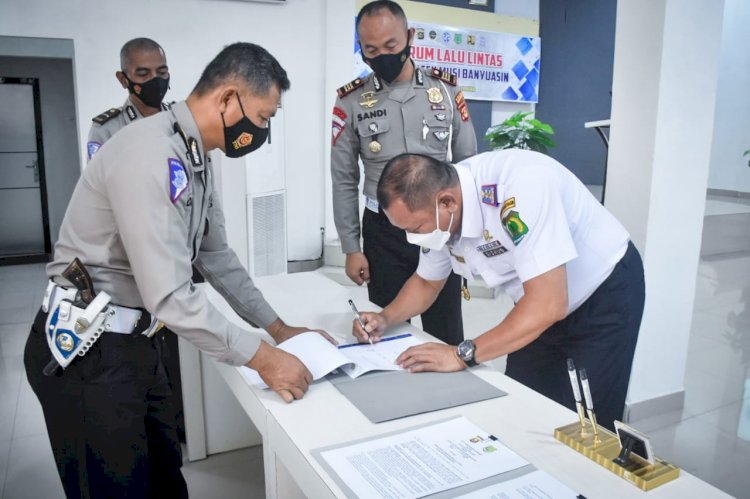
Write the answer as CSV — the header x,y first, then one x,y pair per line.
x,y
489,66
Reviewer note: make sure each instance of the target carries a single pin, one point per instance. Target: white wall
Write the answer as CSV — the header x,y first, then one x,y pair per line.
x,y
731,137
663,106
192,32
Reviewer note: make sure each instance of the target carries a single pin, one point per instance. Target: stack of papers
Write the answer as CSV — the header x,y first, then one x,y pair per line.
x,y
321,357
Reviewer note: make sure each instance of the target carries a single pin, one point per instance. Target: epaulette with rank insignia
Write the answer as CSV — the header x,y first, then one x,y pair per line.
x,y
107,115
350,87
448,78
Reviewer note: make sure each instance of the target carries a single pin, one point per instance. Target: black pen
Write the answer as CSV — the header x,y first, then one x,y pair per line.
x,y
359,319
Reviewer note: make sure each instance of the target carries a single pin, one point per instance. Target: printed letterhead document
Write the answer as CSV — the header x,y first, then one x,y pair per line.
x,y
321,357
422,461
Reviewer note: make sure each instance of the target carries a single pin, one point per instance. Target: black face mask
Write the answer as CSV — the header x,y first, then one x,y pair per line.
x,y
151,92
243,137
389,66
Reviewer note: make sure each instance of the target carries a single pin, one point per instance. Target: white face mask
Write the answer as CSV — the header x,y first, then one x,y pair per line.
x,y
436,239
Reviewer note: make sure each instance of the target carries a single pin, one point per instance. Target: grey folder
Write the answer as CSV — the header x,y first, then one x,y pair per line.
x,y
386,395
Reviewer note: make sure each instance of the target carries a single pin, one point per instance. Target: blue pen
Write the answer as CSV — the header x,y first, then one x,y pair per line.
x,y
390,338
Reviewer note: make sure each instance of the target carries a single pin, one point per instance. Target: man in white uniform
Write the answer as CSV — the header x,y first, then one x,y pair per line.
x,y
521,220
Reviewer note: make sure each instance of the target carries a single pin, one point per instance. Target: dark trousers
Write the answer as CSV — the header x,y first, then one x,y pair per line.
x,y
392,261
110,417
599,336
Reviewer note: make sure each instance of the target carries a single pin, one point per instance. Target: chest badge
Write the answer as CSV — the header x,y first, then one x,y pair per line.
x,y
434,95
487,235
373,127
368,100
375,147
441,134
440,116
458,258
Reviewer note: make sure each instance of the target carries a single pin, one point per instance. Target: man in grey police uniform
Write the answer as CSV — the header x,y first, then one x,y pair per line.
x,y
400,108
145,75
143,211
523,221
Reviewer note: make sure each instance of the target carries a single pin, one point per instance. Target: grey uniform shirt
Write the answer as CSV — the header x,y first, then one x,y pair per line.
x,y
141,213
413,117
103,127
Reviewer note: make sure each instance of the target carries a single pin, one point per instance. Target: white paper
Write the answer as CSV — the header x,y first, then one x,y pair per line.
x,y
423,461
534,485
321,357
378,356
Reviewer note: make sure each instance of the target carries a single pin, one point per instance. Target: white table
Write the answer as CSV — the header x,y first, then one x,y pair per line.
x,y
523,420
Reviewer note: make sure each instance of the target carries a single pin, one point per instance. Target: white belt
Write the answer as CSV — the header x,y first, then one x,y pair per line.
x,y
372,204
121,320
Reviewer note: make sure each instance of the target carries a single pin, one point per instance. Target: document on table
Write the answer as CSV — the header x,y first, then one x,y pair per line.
x,y
536,484
422,461
321,357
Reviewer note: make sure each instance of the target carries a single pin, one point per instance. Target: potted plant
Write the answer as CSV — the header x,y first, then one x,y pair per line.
x,y
521,132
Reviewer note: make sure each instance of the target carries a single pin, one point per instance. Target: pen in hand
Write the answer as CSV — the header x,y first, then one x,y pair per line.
x,y
359,319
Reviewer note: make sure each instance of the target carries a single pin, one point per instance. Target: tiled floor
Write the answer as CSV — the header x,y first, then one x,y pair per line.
x,y
710,437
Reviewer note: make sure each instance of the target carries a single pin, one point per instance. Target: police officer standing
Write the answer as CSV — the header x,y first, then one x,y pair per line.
x,y
399,108
521,220
144,209
145,75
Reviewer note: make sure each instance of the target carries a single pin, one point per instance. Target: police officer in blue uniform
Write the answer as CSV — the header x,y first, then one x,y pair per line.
x,y
399,108
520,220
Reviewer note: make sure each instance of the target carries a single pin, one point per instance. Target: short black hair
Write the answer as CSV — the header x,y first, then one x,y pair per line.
x,y
373,8
415,179
250,63
137,45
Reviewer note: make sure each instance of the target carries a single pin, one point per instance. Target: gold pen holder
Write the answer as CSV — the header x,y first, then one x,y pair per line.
x,y
643,476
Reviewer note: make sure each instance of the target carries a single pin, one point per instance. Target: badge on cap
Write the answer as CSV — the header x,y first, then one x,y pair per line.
x,y
489,194
434,95
178,179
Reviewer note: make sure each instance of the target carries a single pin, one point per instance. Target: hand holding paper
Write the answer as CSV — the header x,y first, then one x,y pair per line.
x,y
321,357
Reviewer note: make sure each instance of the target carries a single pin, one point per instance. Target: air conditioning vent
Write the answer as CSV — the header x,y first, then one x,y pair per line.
x,y
267,237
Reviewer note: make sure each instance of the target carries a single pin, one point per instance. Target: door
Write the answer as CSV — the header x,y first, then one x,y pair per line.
x,y
24,228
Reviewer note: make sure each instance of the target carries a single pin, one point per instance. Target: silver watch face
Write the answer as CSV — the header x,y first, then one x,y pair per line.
x,y
466,350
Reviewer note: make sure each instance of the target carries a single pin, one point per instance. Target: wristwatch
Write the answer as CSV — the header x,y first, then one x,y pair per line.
x,y
466,350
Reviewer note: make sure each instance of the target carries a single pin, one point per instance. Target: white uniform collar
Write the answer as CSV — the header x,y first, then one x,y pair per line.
x,y
472,221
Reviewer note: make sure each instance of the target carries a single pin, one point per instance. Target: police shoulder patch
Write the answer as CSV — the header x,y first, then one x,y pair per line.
x,y
448,78
350,87
178,179
106,115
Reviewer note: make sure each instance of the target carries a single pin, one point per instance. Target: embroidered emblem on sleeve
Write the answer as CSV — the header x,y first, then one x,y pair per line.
x,y
338,124
178,179
516,228
92,147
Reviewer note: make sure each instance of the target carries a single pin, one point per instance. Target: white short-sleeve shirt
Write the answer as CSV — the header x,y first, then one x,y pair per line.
x,y
525,214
